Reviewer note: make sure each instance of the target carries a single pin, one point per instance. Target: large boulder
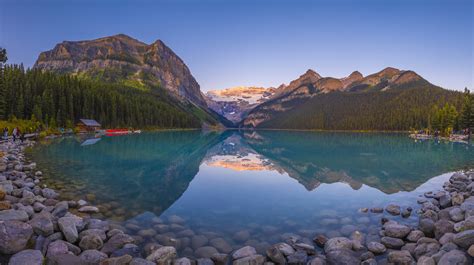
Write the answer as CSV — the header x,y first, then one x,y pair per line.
x,y
42,224
92,257
67,225
244,252
396,230
14,236
455,257
376,248
337,243
115,242
401,257
13,215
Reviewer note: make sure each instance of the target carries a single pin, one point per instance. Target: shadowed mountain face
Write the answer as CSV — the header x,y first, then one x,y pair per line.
x,y
121,58
129,175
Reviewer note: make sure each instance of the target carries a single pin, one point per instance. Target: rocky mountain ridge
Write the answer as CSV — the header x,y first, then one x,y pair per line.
x,y
120,58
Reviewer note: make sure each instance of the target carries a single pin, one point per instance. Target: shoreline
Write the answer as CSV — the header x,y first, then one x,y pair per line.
x,y
37,228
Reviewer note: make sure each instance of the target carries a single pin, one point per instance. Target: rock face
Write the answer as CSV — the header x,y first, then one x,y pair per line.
x,y
122,58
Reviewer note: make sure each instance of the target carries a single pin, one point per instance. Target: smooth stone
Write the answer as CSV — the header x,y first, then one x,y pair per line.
x,y
221,244
427,226
88,209
244,252
241,236
220,259
376,210
275,255
93,231
42,224
163,255
376,248
425,260
27,257
470,250
393,209
391,242
67,225
129,249
115,242
426,249
400,257
14,236
205,252
455,257
56,248
415,235
446,238
464,239
13,215
442,227
199,241
320,240
337,243
285,249
91,242
182,261
60,209
204,261
49,193
396,230
92,257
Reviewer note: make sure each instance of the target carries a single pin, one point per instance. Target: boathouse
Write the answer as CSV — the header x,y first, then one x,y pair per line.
x,y
85,125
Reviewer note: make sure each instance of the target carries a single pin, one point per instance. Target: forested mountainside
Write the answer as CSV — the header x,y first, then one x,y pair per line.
x,y
149,69
59,100
388,100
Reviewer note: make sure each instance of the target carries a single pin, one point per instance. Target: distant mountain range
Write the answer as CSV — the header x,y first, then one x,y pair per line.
x,y
391,99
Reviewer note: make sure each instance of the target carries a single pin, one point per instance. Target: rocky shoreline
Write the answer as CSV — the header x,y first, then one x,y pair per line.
x,y
38,228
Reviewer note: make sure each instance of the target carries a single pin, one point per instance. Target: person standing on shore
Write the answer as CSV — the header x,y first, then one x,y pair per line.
x,y
5,133
14,133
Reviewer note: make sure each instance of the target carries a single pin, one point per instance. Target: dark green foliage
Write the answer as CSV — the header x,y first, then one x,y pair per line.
x,y
61,100
396,109
3,60
466,118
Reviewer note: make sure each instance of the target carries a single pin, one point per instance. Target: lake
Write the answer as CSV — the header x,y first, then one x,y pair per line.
x,y
194,189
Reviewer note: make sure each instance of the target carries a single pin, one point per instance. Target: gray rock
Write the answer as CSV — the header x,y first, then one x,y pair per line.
x,y
393,209
163,255
49,193
455,257
456,214
244,252
91,242
129,249
376,248
88,209
42,224
427,226
464,239
204,261
342,256
400,257
221,244
391,242
98,224
250,260
426,249
56,248
242,236
337,243
92,257
442,227
275,255
205,252
115,242
27,257
298,258
67,225
98,232
13,215
60,209
14,236
199,241
415,235
285,249
396,230
220,259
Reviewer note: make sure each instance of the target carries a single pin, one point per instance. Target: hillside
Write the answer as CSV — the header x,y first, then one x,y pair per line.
x,y
387,100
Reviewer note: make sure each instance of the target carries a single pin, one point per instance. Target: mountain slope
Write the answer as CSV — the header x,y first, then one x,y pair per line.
x,y
121,58
387,100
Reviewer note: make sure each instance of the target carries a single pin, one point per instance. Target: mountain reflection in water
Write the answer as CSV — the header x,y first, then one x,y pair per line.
x,y
133,174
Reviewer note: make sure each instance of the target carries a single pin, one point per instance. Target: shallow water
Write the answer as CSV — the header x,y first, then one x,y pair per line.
x,y
251,188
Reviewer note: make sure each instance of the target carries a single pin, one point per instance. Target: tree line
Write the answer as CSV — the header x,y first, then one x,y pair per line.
x,y
58,100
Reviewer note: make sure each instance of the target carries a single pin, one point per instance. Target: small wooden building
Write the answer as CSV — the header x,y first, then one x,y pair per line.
x,y
85,125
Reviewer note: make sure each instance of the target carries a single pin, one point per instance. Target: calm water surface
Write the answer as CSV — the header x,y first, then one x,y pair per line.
x,y
192,189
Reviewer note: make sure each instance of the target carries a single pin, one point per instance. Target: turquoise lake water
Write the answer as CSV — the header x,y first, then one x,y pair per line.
x,y
247,188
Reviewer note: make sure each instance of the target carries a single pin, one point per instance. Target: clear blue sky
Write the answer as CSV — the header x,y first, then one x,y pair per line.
x,y
262,42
